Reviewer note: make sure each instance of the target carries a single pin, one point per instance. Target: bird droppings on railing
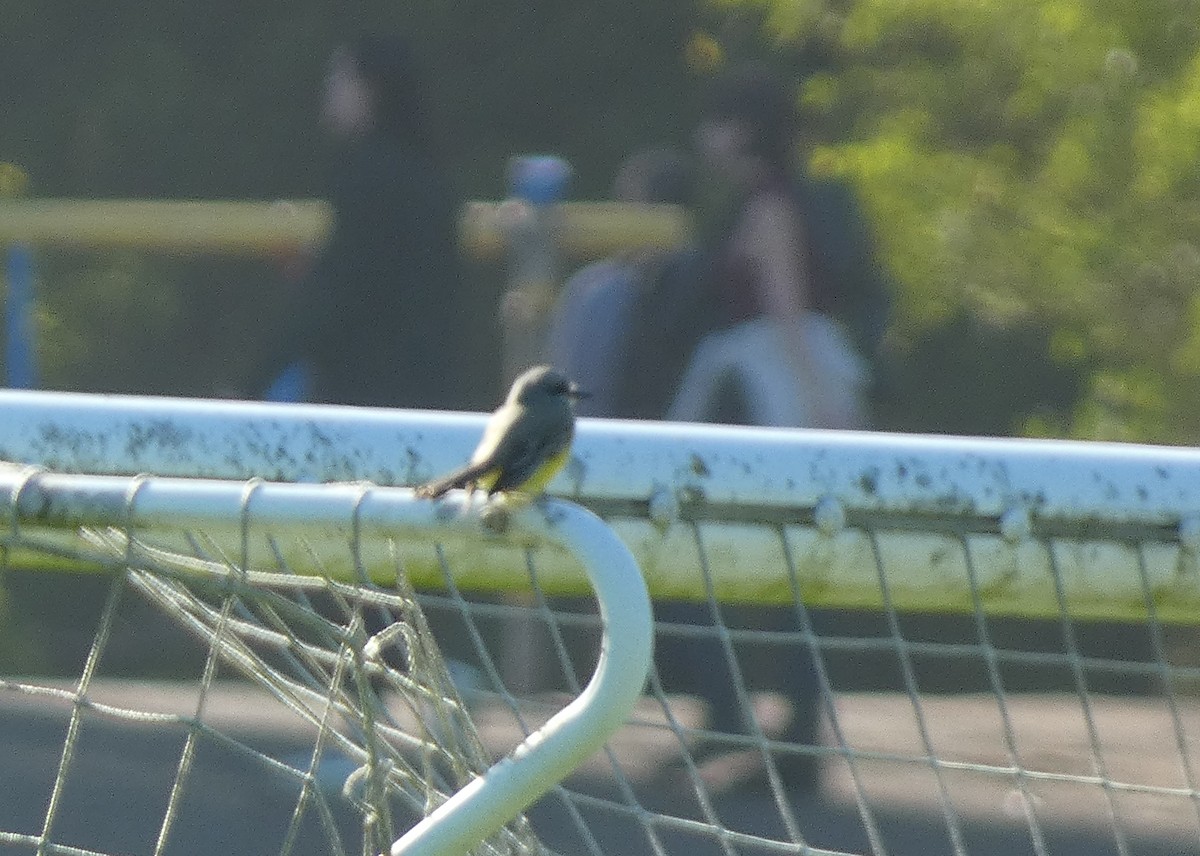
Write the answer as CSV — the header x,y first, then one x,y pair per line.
x,y
743,493
787,470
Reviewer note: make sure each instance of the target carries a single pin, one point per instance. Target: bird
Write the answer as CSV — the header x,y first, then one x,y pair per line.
x,y
526,441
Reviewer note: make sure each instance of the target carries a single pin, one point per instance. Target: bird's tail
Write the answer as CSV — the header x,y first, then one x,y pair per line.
x,y
458,478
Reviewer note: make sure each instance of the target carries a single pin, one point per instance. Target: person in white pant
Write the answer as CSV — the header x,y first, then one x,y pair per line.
x,y
794,306
801,371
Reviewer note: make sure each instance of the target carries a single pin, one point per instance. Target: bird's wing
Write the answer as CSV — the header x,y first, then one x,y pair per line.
x,y
493,446
459,478
533,438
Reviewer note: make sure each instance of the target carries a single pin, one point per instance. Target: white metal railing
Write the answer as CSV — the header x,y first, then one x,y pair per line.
x,y
647,477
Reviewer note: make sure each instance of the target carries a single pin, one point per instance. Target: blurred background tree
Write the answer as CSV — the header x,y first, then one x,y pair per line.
x,y
1030,169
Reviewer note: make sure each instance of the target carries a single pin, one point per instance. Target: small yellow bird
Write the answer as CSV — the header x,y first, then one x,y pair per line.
x,y
527,440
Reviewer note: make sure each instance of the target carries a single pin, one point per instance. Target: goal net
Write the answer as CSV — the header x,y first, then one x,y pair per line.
x,y
255,640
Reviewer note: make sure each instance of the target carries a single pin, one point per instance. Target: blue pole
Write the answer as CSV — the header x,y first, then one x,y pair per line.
x,y
19,359
293,384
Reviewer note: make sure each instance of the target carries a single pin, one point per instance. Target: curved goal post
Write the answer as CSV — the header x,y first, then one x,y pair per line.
x,y
865,643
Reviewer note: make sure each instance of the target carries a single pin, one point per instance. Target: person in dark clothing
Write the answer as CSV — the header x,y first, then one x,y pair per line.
x,y
795,309
373,320
779,337
597,312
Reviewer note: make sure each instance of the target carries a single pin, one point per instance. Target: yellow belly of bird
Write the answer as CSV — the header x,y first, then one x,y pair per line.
x,y
537,482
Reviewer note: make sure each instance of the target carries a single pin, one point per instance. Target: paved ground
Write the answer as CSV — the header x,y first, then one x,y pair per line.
x,y
120,782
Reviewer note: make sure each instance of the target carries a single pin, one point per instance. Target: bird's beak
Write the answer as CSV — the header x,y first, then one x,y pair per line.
x,y
576,393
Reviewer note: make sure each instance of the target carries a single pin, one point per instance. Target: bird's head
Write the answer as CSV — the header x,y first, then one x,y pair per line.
x,y
544,383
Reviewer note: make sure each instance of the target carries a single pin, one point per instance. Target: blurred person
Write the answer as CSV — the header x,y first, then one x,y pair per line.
x,y
590,332
789,277
373,322
795,309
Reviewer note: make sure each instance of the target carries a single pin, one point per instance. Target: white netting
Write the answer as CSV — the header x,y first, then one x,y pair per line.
x,y
349,671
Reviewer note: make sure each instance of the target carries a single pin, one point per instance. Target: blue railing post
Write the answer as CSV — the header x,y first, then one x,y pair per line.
x,y
19,346
537,183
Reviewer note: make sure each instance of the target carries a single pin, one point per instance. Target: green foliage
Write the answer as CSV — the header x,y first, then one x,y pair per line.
x,y
104,317
1029,165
